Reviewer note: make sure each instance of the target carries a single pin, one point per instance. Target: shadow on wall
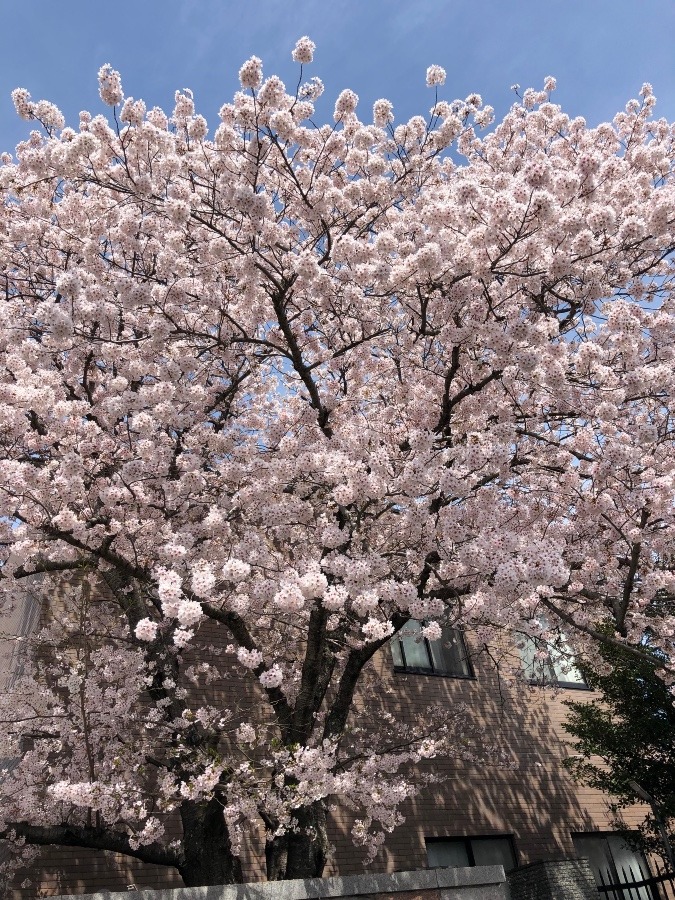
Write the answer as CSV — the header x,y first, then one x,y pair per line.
x,y
530,797
520,790
64,871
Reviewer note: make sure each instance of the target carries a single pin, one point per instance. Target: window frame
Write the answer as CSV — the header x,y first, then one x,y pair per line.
x,y
467,841
418,670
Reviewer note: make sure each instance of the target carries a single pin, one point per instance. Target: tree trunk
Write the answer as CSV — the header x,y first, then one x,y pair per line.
x,y
302,853
207,850
276,854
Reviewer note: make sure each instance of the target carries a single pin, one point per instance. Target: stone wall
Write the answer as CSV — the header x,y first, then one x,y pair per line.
x,y
565,879
478,883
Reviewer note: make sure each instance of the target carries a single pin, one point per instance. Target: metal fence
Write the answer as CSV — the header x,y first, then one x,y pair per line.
x,y
638,885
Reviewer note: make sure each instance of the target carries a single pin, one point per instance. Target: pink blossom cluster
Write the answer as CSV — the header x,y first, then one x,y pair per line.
x,y
146,630
272,677
236,570
250,74
250,659
303,52
266,395
110,85
436,76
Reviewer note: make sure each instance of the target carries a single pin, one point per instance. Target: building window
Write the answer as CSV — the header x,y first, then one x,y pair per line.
x,y
550,662
614,863
495,850
414,653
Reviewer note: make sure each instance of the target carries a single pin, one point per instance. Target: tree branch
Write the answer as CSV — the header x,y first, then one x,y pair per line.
x,y
91,838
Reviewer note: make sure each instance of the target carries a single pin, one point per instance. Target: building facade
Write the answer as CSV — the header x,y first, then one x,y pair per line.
x,y
514,807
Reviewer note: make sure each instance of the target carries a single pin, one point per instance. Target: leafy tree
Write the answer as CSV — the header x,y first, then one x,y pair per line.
x,y
267,395
625,742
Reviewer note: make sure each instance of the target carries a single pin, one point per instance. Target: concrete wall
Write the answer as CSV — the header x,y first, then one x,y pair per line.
x,y
479,883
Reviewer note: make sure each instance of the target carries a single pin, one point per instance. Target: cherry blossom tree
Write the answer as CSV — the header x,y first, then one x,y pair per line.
x,y
268,395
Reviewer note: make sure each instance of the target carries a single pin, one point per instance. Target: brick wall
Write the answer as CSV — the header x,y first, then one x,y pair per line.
x,y
531,798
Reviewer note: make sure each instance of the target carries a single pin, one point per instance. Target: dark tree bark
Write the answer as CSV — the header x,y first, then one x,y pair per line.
x,y
276,854
302,853
308,848
207,857
90,837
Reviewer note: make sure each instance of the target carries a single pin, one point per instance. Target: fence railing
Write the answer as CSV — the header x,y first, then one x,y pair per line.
x,y
638,885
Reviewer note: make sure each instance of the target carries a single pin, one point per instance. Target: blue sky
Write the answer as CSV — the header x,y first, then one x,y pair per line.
x,y
601,51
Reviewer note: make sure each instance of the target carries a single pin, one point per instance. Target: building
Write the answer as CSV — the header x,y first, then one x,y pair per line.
x,y
516,807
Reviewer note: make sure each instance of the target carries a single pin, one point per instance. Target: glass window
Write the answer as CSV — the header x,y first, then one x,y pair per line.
x,y
412,652
447,853
614,863
495,850
550,662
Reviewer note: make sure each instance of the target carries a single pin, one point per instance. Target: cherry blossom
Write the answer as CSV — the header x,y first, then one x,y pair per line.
x,y
266,396
303,51
436,76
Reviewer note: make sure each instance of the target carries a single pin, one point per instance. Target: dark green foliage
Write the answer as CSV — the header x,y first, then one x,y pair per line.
x,y
628,735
